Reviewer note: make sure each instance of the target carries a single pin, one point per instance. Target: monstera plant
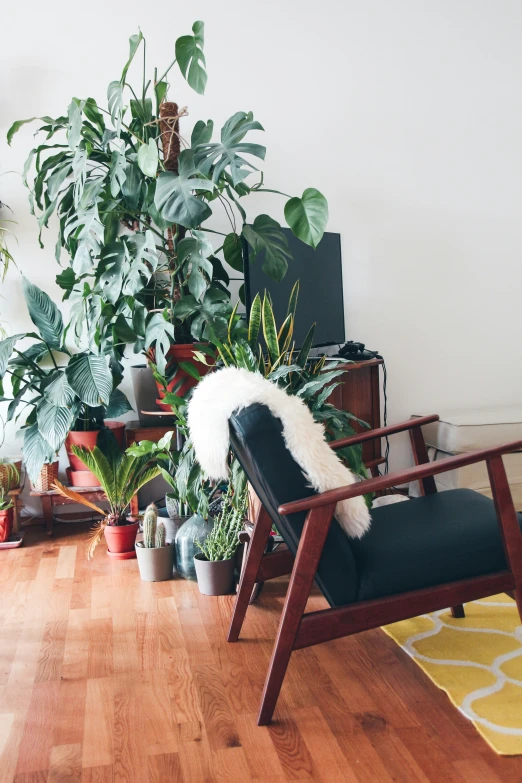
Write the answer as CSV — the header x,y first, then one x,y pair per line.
x,y
55,389
133,199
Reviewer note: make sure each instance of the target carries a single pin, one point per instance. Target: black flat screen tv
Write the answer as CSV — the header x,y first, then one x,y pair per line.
x,y
320,278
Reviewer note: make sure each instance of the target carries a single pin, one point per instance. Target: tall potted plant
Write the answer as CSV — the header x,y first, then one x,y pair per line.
x,y
120,475
144,268
59,391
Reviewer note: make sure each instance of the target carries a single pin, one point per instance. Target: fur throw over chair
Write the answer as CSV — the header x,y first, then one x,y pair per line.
x,y
223,392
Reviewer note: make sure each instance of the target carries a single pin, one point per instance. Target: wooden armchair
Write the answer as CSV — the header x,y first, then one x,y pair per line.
x,y
439,550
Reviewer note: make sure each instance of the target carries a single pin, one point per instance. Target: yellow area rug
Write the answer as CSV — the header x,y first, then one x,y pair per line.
x,y
477,661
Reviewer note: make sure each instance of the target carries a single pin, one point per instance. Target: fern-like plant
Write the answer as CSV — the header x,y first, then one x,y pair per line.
x,y
120,475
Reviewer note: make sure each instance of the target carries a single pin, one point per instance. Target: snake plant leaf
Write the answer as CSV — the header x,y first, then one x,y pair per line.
x,y
43,313
292,302
302,356
270,330
36,451
134,42
266,238
201,133
213,158
160,334
307,216
233,251
148,158
6,349
254,322
174,197
58,391
190,57
90,378
54,422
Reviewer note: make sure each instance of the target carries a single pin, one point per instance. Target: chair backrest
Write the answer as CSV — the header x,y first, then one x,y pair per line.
x,y
256,437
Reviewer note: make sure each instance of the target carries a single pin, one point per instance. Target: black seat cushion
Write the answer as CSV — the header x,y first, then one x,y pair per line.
x,y
257,440
424,542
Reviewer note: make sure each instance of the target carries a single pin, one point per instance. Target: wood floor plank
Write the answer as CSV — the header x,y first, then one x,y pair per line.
x,y
108,679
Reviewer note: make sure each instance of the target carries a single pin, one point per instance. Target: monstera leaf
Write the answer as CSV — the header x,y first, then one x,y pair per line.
x,y
90,378
44,314
142,262
266,237
159,334
307,216
190,57
193,254
174,198
213,158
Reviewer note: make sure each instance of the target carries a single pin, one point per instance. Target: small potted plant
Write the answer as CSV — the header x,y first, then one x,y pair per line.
x,y
155,556
120,475
6,516
215,561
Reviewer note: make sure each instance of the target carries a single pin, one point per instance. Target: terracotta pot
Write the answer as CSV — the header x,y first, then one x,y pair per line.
x,y
81,478
181,352
88,439
6,524
121,539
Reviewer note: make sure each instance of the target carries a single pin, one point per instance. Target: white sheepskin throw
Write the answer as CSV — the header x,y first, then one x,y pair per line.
x,y
222,393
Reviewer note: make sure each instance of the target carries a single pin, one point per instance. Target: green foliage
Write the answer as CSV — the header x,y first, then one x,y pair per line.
x,y
5,502
150,520
223,540
161,535
132,231
9,475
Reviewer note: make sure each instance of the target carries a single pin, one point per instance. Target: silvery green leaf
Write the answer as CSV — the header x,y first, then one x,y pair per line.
x,y
115,99
213,158
148,158
58,392
6,349
113,259
190,57
160,335
90,378
36,451
74,130
44,314
174,197
118,174
54,422
143,262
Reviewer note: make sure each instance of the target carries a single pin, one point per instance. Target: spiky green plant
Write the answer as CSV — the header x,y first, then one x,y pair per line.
x,y
161,535
5,502
223,541
120,475
150,519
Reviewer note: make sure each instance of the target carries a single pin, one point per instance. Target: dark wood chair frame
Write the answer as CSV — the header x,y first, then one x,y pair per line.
x,y
297,629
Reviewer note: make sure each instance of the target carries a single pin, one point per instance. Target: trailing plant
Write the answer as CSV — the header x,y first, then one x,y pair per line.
x,y
153,531
223,540
133,199
56,388
5,502
9,475
120,475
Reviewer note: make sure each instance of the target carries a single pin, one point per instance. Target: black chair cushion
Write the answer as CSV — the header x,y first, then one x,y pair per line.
x,y
257,440
428,541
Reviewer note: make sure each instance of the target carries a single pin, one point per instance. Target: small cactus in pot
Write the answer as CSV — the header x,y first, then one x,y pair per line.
x,y
155,556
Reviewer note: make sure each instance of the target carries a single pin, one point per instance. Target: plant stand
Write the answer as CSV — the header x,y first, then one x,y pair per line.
x,y
14,494
53,498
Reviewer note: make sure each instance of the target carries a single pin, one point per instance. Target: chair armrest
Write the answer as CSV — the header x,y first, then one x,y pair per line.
x,y
382,432
399,477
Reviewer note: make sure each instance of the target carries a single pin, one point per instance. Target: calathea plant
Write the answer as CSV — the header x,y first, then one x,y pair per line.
x,y
55,389
133,199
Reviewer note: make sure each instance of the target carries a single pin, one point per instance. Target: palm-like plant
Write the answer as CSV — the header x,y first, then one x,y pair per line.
x,y
121,475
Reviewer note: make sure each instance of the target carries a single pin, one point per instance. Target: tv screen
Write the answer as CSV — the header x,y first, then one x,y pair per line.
x,y
320,278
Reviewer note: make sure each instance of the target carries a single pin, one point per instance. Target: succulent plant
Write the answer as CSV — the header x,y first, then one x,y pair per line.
x,y
150,519
160,535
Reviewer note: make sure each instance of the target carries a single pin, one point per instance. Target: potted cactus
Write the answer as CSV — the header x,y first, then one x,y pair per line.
x,y
155,556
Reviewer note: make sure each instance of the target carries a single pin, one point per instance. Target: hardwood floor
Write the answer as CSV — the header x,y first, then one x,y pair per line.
x,y
106,678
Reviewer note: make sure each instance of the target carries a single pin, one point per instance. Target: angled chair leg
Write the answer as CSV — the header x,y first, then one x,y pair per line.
x,y
458,611
305,568
509,527
254,557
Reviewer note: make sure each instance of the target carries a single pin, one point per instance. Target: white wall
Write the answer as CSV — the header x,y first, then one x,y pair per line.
x,y
406,115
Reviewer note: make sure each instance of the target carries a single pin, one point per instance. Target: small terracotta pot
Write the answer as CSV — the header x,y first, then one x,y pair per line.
x,y
120,540
81,478
88,439
181,352
6,524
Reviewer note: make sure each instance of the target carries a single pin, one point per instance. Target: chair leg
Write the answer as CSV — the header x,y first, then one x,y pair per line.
x,y
305,568
458,611
254,557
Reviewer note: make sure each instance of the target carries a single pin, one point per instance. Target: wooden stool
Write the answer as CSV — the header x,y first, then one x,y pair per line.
x,y
53,498
14,494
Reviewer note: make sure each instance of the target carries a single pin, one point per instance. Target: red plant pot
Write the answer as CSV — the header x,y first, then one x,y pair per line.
x,y
81,478
88,440
120,540
6,524
181,352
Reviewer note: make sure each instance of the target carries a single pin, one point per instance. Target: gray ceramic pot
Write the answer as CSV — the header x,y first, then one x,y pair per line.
x,y
214,577
156,565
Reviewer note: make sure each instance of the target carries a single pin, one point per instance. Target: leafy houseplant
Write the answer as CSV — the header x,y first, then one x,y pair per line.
x,y
6,516
133,200
63,390
155,556
215,562
9,474
120,475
